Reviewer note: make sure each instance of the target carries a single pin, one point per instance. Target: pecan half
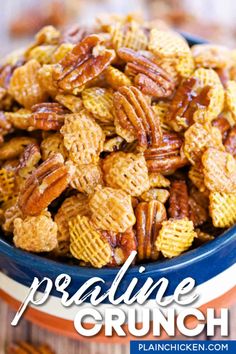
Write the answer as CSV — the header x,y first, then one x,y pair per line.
x,y
45,184
230,142
134,114
74,34
168,156
122,245
149,216
198,213
223,125
185,103
28,160
148,76
85,62
179,200
48,116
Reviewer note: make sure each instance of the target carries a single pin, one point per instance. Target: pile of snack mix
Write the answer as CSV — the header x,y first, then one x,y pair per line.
x,y
115,139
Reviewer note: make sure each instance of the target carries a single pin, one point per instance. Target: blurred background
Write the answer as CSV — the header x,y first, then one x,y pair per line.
x,y
212,19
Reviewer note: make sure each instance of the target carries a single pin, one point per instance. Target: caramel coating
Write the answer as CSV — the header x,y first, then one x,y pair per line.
x,y
134,114
25,86
86,178
179,202
85,62
99,102
149,216
83,138
167,157
116,138
53,144
111,210
200,137
148,76
126,171
45,184
219,171
35,233
48,116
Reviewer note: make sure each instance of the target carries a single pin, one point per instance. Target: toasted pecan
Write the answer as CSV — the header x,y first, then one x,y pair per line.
x,y
149,216
167,156
122,245
230,142
179,200
134,114
219,168
74,34
85,62
48,116
223,125
198,213
185,103
28,160
150,78
45,184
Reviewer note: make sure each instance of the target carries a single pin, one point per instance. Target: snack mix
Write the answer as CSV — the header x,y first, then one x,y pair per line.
x,y
117,138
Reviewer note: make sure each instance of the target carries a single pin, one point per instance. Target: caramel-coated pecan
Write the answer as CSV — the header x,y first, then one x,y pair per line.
x,y
48,116
148,76
133,113
198,206
185,103
28,160
85,62
149,216
122,245
168,156
223,125
230,142
179,201
45,184
198,213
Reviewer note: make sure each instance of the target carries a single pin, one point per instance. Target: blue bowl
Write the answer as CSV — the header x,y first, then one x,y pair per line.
x,y
201,264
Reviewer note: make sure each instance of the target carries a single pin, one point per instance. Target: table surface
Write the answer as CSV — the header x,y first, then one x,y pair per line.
x,y
62,345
